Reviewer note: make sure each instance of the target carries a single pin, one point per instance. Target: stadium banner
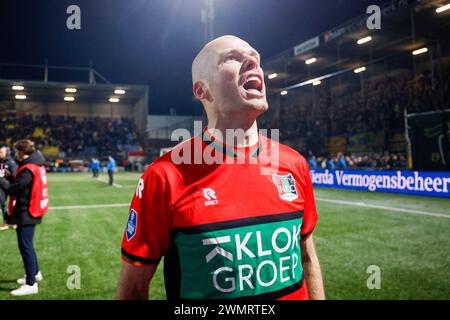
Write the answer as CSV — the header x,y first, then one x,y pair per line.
x,y
306,46
435,184
386,10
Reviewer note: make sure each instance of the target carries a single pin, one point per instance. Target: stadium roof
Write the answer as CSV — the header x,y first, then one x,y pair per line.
x,y
406,25
38,88
55,92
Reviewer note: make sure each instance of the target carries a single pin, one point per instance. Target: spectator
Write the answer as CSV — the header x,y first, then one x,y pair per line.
x,y
30,191
331,164
111,168
8,168
312,163
342,164
95,167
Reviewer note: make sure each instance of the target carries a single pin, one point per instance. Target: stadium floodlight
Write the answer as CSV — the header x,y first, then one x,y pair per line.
x,y
67,98
358,70
284,92
272,76
119,91
114,100
317,82
71,90
18,88
443,8
21,96
364,40
419,51
311,60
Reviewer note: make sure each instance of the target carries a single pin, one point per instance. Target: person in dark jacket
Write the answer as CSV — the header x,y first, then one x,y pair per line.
x,y
21,189
8,168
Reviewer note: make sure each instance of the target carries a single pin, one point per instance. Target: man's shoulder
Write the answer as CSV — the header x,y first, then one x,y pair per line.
x,y
11,162
168,162
286,152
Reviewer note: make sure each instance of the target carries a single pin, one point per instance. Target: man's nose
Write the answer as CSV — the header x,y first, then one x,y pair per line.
x,y
250,62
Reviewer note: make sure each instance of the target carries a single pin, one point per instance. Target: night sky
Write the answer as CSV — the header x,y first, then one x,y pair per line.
x,y
153,42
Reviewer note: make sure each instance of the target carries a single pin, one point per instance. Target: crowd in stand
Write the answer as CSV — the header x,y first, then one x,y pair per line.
x,y
376,107
381,161
72,137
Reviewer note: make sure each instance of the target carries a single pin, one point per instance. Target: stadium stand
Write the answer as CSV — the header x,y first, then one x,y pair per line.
x,y
72,122
362,114
73,138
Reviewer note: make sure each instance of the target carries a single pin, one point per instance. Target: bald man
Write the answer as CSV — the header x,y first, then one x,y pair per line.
x,y
236,227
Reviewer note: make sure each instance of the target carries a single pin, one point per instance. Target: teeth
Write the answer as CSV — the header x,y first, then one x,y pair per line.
x,y
251,79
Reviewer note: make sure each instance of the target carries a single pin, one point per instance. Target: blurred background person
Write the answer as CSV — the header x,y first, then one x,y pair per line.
x,y
29,201
95,166
342,164
312,162
8,168
111,167
331,163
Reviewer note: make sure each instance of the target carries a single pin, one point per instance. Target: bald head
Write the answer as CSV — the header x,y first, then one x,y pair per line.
x,y
219,72
201,66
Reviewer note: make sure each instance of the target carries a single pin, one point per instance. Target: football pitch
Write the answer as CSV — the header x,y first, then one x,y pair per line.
x,y
406,237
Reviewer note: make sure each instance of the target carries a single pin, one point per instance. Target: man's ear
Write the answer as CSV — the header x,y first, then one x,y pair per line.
x,y
200,91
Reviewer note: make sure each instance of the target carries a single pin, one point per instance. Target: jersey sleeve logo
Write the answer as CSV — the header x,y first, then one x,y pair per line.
x,y
286,186
131,224
139,188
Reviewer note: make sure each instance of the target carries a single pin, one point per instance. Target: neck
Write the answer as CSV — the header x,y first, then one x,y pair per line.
x,y
246,129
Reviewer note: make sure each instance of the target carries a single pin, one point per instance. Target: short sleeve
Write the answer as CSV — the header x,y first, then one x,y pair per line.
x,y
147,232
309,212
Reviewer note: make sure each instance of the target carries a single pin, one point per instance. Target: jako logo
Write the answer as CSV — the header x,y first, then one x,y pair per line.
x,y
210,196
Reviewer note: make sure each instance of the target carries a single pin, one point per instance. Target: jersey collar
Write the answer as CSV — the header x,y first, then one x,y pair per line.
x,y
223,148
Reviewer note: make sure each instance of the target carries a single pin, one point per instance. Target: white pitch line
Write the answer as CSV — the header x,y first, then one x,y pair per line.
x,y
91,206
368,205
114,184
357,204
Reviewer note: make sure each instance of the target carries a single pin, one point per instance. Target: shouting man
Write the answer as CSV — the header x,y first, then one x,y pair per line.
x,y
238,226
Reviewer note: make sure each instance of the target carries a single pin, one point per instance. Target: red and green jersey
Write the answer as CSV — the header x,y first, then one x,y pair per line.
x,y
227,230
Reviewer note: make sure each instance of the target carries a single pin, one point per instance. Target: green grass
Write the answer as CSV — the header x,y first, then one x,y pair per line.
x,y
412,251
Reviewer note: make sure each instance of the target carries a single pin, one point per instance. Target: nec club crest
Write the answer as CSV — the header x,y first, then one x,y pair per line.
x,y
286,186
131,224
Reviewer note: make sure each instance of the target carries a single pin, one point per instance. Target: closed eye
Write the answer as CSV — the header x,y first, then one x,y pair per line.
x,y
231,57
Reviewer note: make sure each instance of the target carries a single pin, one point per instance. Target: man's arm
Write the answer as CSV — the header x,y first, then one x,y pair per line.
x,y
134,281
12,169
24,179
311,269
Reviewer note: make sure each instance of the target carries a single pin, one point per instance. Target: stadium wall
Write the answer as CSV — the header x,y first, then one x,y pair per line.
x,y
162,126
435,184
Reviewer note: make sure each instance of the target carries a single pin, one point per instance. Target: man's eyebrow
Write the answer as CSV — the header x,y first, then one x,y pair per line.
x,y
252,52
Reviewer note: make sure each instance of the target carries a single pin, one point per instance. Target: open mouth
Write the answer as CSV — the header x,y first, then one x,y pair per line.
x,y
253,84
